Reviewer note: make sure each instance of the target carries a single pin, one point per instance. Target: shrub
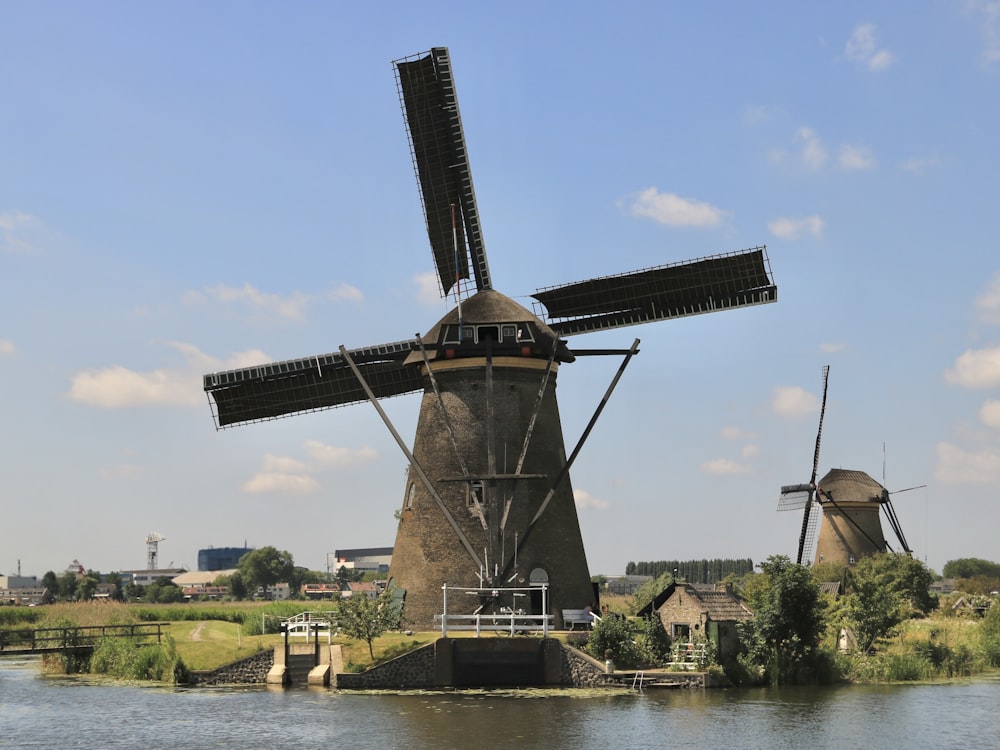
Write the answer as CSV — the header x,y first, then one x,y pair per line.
x,y
613,635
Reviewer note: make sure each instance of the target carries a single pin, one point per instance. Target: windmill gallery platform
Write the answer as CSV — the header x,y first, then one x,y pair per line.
x,y
492,662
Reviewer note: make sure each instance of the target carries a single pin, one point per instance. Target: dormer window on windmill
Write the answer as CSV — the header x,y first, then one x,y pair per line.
x,y
505,338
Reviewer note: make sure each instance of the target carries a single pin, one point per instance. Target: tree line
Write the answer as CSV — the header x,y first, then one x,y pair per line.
x,y
256,570
693,571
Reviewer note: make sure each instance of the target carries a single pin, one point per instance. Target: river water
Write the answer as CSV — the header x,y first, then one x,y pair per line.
x,y
60,712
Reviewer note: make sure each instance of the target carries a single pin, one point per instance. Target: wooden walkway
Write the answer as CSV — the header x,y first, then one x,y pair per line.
x,y
21,642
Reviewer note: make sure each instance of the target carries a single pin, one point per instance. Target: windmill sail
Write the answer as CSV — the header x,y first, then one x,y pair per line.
x,y
437,144
811,514
324,381
699,286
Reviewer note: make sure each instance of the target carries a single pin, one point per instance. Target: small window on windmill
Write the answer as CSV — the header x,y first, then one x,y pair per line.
x,y
451,335
524,334
475,494
411,493
468,333
851,560
508,334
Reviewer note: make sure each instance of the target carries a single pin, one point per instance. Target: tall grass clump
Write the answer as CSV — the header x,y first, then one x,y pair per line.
x,y
122,659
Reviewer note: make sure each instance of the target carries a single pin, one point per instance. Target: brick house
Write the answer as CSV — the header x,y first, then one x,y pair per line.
x,y
689,613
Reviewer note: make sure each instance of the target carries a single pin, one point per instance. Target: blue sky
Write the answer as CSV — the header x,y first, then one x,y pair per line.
x,y
189,187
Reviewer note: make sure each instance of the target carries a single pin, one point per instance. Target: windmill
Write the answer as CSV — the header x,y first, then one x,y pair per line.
x,y
153,540
845,506
487,501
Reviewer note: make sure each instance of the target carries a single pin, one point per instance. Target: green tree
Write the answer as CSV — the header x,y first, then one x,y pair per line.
x,y
872,610
234,581
86,587
971,567
900,574
782,639
67,586
163,591
265,567
989,633
612,638
133,591
115,580
51,584
366,618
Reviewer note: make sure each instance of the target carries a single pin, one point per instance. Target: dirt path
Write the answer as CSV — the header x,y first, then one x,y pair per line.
x,y
196,633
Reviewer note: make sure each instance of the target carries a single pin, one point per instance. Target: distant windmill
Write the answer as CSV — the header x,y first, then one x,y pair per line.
x,y
488,499
845,506
153,540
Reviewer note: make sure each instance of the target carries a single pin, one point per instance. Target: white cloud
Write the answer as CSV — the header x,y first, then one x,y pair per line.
x,y
793,401
291,307
988,303
919,164
116,386
750,451
584,500
735,433
854,158
754,115
292,476
16,229
976,368
988,12
6,347
788,228
281,483
282,464
963,467
861,48
813,151
428,291
832,347
675,211
989,413
331,455
724,466
123,471
346,293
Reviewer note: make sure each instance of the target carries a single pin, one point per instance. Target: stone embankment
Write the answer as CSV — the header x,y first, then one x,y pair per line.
x,y
422,668
250,671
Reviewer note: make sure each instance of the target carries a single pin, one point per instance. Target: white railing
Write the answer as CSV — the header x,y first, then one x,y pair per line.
x,y
307,623
502,624
507,621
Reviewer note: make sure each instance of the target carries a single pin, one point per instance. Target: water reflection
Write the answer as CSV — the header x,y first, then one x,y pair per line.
x,y
40,712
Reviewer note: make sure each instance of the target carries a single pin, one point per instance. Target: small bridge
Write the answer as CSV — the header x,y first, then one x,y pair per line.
x,y
27,641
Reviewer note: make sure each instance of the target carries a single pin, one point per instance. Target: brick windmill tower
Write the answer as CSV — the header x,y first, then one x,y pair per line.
x,y
488,501
846,508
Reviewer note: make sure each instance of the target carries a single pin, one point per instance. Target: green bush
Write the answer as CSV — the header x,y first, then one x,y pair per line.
x,y
612,637
121,659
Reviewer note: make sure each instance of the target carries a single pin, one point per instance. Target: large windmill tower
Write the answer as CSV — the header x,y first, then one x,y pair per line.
x,y
488,500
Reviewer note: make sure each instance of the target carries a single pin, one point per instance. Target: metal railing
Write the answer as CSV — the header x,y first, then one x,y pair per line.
x,y
505,621
47,640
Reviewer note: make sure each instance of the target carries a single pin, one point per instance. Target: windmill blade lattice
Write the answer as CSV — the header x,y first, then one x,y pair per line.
x,y
437,145
719,282
323,381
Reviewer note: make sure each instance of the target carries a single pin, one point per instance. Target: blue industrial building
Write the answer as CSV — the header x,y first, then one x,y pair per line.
x,y
220,558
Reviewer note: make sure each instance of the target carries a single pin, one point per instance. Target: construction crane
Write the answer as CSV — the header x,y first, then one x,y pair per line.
x,y
152,549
